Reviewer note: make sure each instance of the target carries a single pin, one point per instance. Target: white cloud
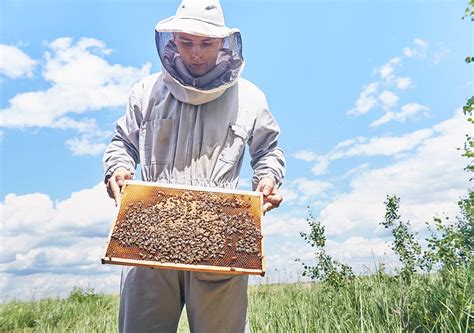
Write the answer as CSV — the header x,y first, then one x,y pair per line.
x,y
388,99
421,43
25,212
81,256
388,78
13,244
280,261
87,212
357,248
403,82
287,194
321,165
287,225
84,125
81,81
305,155
382,146
311,188
418,50
88,143
304,190
45,238
387,117
35,213
357,170
350,142
411,109
387,69
388,145
429,181
366,100
408,52
408,111
15,63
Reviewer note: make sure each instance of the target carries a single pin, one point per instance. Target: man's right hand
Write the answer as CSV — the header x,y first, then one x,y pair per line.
x,y
115,183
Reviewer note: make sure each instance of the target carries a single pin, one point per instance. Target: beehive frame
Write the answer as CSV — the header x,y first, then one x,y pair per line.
x,y
135,192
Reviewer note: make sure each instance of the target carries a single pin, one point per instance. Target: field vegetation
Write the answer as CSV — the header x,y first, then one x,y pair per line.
x,y
377,303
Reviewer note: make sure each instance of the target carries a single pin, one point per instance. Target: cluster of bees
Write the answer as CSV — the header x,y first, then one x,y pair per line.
x,y
190,228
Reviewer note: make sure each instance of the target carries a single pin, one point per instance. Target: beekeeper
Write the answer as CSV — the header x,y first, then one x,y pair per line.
x,y
190,124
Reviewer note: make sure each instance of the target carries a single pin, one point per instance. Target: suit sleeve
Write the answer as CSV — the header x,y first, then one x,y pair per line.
x,y
123,150
267,158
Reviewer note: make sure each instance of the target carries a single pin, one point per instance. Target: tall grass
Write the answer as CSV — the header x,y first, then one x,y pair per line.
x,y
378,303
82,311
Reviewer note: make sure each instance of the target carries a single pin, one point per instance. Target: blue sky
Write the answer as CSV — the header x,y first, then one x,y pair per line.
x,y
367,95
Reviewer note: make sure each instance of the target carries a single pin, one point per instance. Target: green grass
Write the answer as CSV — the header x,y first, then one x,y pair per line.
x,y
368,304
83,311
379,303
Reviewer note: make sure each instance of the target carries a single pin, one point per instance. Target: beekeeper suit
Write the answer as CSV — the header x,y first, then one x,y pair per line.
x,y
190,124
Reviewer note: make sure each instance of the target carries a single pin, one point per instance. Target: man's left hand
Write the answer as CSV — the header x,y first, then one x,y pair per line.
x,y
271,197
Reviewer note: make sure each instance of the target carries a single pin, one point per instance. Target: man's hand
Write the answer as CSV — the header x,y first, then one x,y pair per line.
x,y
271,197
115,183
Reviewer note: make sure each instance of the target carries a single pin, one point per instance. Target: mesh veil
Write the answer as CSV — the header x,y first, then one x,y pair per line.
x,y
223,71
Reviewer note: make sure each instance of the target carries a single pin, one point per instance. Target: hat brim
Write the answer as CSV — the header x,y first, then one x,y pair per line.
x,y
193,26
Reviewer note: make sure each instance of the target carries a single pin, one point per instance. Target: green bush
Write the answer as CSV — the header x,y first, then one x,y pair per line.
x,y
328,270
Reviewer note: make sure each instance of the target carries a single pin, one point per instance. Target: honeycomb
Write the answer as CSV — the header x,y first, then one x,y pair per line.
x,y
187,228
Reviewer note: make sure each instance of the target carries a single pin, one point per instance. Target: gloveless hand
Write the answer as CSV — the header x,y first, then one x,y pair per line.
x,y
115,183
271,197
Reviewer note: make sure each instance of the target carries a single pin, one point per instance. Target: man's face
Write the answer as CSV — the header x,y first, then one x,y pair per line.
x,y
199,54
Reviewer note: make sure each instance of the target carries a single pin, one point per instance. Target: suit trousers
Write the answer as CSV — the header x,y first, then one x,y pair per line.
x,y
151,300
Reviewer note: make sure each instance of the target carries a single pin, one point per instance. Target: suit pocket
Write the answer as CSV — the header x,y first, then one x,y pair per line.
x,y
212,277
159,141
235,144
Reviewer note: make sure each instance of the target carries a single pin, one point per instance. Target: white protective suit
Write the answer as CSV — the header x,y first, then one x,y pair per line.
x,y
192,132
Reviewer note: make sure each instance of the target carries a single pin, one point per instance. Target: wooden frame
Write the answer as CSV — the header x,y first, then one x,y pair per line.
x,y
108,259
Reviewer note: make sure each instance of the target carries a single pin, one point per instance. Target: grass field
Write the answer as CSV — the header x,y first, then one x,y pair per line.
x,y
378,303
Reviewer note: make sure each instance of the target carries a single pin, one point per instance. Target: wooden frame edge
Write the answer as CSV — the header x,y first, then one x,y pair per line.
x,y
182,267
